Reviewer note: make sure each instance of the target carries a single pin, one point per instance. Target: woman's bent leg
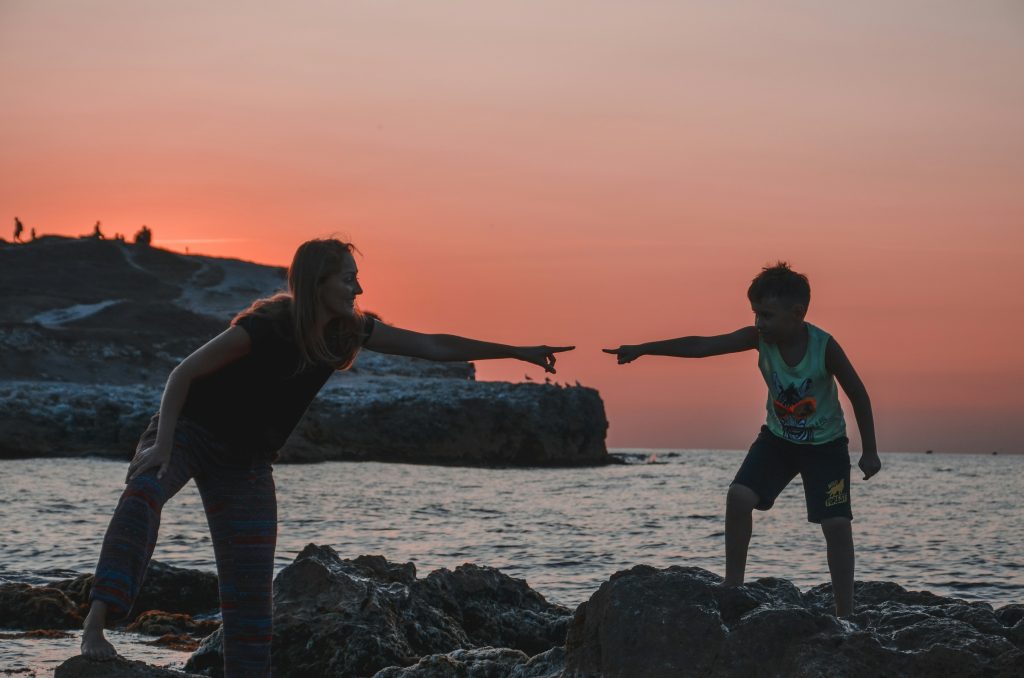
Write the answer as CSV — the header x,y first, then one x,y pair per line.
x,y
241,507
127,547
131,535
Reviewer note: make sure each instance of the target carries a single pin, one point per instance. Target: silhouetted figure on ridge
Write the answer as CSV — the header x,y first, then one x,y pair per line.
x,y
33,234
96,232
18,228
144,237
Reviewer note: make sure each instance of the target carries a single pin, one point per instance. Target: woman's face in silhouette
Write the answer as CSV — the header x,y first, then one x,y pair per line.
x,y
338,291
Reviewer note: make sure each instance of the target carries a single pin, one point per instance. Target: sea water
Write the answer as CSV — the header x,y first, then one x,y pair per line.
x,y
950,524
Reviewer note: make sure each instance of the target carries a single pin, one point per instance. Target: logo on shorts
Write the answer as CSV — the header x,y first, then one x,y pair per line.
x,y
836,493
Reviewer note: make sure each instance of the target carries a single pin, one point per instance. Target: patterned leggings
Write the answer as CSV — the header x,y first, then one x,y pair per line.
x,y
241,509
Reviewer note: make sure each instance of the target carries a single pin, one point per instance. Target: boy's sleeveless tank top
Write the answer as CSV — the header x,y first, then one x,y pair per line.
x,y
803,401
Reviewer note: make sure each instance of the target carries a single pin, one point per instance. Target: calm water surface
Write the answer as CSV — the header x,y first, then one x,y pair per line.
x,y
950,524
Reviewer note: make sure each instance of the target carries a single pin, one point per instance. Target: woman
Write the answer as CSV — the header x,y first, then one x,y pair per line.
x,y
225,411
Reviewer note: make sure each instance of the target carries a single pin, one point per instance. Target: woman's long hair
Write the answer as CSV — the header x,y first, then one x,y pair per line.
x,y
339,343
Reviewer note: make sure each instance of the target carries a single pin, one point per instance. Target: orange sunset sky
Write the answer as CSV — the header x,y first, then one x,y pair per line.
x,y
580,172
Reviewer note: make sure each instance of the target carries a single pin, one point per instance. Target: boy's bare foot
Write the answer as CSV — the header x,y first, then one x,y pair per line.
x,y
95,646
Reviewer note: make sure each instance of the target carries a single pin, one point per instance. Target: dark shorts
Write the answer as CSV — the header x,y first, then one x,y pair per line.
x,y
773,462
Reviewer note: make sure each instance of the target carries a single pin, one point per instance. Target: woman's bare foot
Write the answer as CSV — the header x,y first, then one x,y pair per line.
x,y
94,644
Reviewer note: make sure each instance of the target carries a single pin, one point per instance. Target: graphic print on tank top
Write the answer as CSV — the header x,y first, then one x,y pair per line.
x,y
794,408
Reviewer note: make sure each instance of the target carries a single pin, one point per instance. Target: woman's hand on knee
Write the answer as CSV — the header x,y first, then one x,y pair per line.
x,y
147,458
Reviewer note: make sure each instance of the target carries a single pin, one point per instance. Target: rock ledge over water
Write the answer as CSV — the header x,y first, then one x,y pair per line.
x,y
85,348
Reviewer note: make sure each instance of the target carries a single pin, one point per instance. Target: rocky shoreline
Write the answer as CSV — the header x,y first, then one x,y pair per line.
x,y
371,617
85,351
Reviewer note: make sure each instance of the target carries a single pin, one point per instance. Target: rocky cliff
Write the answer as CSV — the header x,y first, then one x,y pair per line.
x,y
89,330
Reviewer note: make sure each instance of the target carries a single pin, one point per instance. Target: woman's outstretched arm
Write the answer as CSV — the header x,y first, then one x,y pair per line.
x,y
396,341
226,347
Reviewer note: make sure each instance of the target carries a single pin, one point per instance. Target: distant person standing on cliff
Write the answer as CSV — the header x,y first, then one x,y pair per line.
x,y
805,431
18,229
225,412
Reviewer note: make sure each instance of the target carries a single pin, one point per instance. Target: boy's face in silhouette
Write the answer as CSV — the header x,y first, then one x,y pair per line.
x,y
338,291
778,320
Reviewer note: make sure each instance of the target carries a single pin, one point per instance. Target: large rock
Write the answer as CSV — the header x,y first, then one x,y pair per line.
x,y
85,349
335,617
369,617
165,587
487,662
80,667
420,420
160,623
495,609
23,606
677,622
452,421
116,313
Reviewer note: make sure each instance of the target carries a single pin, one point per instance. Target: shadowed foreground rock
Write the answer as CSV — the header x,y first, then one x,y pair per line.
x,y
679,621
335,617
166,587
23,606
80,667
369,617
64,604
486,662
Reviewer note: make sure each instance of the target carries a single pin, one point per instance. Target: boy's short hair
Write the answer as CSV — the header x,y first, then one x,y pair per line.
x,y
780,282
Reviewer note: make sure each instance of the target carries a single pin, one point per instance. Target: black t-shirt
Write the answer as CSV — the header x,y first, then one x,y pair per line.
x,y
254,403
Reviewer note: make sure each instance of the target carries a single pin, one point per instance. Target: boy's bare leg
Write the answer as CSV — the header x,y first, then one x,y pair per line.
x,y
739,505
94,643
839,544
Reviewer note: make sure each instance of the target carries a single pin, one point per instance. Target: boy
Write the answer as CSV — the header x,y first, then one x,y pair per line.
x,y
805,432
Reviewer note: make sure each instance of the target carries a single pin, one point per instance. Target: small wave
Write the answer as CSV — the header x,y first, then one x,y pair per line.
x,y
640,458
37,578
971,585
435,510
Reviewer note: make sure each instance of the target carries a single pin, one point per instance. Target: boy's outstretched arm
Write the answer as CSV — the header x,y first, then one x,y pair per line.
x,y
744,339
839,365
